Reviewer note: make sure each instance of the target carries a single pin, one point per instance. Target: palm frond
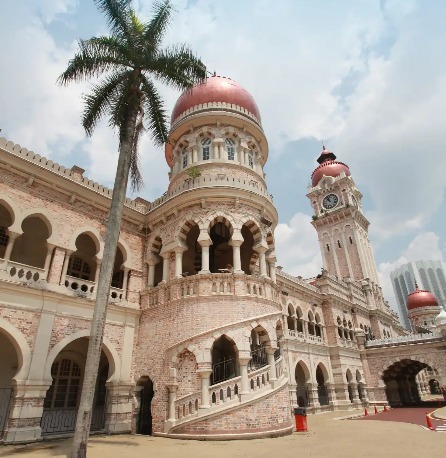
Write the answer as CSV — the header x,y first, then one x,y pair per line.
x,y
93,59
155,113
156,27
97,103
178,67
116,12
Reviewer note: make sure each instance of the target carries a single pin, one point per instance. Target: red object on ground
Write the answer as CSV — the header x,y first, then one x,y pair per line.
x,y
301,423
429,423
385,409
376,410
366,413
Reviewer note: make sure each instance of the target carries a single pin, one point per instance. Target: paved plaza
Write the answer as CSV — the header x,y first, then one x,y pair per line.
x,y
327,437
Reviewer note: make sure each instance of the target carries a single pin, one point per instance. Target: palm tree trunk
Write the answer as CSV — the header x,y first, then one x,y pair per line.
x,y
83,421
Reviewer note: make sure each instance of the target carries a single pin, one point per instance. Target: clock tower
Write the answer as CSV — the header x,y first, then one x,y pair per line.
x,y
339,221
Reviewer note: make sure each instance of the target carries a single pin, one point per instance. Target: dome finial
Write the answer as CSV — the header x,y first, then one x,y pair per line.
x,y
416,285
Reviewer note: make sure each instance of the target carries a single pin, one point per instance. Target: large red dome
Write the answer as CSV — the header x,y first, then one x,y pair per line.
x,y
215,89
329,168
420,298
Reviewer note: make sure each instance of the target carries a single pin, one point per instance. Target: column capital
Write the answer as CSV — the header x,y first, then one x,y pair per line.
x,y
172,387
13,235
204,373
261,247
165,255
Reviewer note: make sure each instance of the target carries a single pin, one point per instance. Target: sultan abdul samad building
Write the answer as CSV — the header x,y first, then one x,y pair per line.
x,y
205,336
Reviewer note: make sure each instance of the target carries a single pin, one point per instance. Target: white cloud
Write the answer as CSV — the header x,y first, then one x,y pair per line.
x,y
297,248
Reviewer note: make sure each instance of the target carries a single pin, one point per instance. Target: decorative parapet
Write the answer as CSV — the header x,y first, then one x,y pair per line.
x,y
299,281
207,181
404,340
215,106
72,174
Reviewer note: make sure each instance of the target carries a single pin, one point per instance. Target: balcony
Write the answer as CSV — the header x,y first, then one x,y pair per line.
x,y
221,284
301,337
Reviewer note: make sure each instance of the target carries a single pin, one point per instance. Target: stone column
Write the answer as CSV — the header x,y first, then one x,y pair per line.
x,y
119,407
272,364
235,242
124,281
204,241
331,394
194,153
313,397
179,261
172,387
68,253
49,252
260,249
98,270
166,266
25,412
245,388
56,266
151,263
12,238
272,266
205,375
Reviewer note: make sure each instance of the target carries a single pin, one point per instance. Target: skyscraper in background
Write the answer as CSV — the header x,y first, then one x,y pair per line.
x,y
429,275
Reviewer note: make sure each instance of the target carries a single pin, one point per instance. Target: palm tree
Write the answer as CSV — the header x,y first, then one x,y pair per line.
x,y
128,61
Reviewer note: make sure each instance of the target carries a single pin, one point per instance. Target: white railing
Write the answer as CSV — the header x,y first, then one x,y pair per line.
x,y
404,339
188,405
221,284
116,295
225,391
302,338
22,273
79,286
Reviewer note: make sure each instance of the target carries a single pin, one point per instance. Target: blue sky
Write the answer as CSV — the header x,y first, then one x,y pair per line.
x,y
367,77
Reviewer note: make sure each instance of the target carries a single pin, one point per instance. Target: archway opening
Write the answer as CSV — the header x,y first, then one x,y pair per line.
x,y
9,363
146,392
118,270
301,376
30,247
402,387
220,252
322,391
62,398
192,255
82,262
224,360
259,340
5,221
246,249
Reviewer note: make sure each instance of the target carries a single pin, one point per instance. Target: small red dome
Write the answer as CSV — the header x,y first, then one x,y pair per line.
x,y
215,89
329,168
420,298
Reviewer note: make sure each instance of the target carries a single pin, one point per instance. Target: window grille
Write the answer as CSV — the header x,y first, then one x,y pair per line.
x,y
206,149
184,158
230,148
64,390
4,237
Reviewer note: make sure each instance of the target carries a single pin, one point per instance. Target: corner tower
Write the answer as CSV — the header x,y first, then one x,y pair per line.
x,y
339,221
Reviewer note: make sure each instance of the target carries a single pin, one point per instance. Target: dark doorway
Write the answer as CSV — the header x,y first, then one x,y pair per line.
x,y
144,425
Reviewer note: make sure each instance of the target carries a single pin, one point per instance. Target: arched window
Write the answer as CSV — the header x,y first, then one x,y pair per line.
x,y
184,158
4,237
206,149
78,268
230,148
251,160
64,390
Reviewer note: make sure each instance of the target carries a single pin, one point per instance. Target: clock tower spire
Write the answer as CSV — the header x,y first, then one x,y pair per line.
x,y
339,221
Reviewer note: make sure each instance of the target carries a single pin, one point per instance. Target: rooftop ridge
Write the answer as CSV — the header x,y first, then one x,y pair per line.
x,y
54,167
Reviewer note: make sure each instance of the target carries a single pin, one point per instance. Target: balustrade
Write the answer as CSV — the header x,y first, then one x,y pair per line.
x,y
404,339
210,285
297,335
81,287
187,405
22,273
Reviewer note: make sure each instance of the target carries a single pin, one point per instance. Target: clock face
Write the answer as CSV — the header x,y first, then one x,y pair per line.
x,y
330,201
